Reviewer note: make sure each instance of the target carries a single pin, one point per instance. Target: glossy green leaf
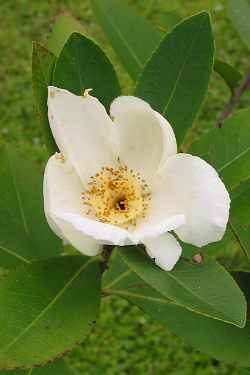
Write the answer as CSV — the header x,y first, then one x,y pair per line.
x,y
228,149
57,367
230,75
175,80
132,37
216,338
239,12
46,309
25,234
42,68
82,65
63,27
202,288
240,220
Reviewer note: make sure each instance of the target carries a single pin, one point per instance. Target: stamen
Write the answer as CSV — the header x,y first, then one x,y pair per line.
x,y
117,196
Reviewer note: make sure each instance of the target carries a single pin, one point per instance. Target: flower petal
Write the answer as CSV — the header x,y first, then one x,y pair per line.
x,y
189,185
145,137
153,228
103,233
82,130
62,193
165,249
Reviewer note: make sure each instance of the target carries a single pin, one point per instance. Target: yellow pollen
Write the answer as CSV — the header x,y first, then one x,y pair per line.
x,y
117,196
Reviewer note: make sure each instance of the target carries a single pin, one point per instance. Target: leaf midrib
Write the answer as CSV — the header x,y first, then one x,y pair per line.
x,y
229,163
50,305
14,254
182,69
19,200
163,301
191,292
139,63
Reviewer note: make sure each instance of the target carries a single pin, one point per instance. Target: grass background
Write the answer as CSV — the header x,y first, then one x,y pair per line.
x,y
125,341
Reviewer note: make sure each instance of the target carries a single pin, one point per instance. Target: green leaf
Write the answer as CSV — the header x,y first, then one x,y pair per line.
x,y
240,220
42,68
205,288
231,76
132,37
64,26
216,338
228,149
46,309
25,234
175,80
58,367
239,12
82,65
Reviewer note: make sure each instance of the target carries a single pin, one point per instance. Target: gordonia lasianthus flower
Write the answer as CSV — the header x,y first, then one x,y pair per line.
x,y
118,180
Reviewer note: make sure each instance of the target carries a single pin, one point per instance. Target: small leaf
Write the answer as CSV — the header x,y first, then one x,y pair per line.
x,y
46,309
239,12
64,26
42,68
132,37
213,337
168,20
82,65
228,149
25,234
231,76
205,288
175,80
58,367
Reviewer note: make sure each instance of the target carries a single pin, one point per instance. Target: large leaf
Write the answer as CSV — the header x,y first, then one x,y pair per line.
x,y
131,36
228,149
239,12
205,288
216,338
63,27
42,68
82,65
175,80
58,367
240,220
134,39
46,309
24,234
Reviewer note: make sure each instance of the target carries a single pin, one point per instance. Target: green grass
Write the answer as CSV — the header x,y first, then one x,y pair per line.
x,y
125,341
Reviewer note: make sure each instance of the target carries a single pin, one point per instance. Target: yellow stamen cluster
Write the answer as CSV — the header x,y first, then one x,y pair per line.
x,y
117,196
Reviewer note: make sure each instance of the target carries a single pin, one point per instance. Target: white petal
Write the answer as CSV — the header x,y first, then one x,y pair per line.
x,y
189,185
103,233
155,226
145,137
82,130
62,193
165,249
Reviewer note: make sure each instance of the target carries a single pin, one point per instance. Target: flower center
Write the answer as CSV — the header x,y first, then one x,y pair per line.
x,y
117,196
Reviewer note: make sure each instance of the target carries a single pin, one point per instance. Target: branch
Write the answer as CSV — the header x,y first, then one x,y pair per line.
x,y
234,101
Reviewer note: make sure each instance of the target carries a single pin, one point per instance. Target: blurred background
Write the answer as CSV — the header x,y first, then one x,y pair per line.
x,y
125,341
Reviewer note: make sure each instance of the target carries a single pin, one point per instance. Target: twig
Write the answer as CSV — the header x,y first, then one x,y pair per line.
x,y
234,101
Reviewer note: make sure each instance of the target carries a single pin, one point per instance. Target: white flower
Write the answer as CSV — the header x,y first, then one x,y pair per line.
x,y
120,181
